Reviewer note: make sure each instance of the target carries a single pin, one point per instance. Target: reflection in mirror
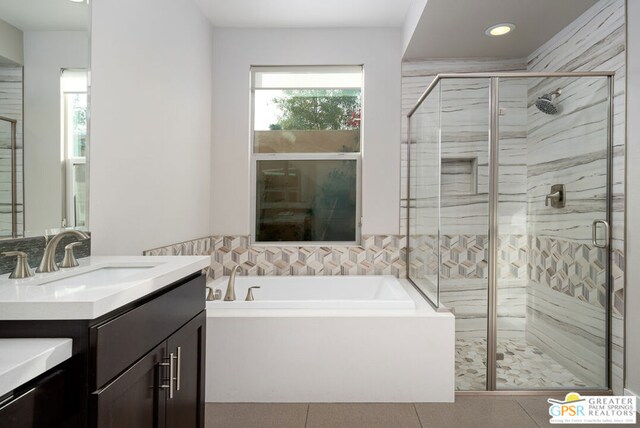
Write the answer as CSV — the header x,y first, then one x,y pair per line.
x,y
74,100
44,110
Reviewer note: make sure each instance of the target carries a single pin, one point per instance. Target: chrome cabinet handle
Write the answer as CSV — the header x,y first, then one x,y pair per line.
x,y
171,375
594,233
179,369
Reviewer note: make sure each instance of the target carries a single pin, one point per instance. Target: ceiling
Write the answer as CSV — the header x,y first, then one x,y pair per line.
x,y
45,15
455,28
447,28
305,13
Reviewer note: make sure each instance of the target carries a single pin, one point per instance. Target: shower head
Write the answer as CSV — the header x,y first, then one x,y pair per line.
x,y
546,102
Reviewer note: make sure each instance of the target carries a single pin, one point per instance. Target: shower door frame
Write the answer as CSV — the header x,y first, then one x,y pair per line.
x,y
492,285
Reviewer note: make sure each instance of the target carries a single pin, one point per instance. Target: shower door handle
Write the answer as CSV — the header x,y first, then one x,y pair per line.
x,y
594,233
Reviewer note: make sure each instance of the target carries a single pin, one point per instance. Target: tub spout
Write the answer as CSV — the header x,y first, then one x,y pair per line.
x,y
230,295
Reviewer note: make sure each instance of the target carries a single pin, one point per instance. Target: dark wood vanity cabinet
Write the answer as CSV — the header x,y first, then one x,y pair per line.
x,y
139,366
164,388
149,362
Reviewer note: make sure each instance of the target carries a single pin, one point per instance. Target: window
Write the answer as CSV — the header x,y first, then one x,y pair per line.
x,y
73,86
306,154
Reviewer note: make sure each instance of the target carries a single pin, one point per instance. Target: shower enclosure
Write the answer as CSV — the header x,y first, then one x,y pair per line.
x,y
509,179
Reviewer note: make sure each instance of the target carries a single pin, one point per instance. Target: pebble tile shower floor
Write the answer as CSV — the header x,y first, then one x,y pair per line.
x,y
524,367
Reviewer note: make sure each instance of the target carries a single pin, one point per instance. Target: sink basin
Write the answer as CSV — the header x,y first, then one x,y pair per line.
x,y
103,276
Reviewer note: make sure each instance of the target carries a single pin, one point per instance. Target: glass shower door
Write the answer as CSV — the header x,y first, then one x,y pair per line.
x,y
424,197
448,214
464,221
553,239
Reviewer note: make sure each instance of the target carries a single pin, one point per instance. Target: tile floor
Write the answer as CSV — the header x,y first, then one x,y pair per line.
x,y
524,367
476,412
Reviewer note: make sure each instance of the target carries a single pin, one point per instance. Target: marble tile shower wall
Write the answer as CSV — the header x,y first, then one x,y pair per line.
x,y
378,255
464,133
569,330
11,107
595,41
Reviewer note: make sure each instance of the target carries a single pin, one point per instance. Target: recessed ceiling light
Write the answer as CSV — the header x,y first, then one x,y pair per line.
x,y
500,29
77,1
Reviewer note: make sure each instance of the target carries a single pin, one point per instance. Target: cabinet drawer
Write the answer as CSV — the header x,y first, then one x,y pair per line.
x,y
117,343
43,405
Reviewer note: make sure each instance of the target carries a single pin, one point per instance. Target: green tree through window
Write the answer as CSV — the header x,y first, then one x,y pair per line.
x,y
318,109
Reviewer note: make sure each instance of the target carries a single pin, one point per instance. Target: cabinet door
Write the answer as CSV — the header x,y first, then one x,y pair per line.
x,y
136,398
186,408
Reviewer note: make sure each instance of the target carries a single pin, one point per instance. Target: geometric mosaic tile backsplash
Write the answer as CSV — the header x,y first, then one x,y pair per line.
x,y
465,256
378,255
569,267
575,269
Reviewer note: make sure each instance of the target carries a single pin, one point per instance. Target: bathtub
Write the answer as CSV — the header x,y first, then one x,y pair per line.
x,y
328,339
315,292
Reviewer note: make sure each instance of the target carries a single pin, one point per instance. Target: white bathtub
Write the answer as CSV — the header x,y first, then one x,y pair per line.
x,y
328,339
315,292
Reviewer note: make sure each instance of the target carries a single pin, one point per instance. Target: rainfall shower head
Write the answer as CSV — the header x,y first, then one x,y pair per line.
x,y
546,102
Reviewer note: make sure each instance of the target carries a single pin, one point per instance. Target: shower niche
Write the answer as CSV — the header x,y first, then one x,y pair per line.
x,y
528,283
459,176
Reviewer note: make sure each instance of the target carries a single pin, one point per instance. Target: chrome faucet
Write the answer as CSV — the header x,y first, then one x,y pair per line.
x,y
213,294
48,263
230,295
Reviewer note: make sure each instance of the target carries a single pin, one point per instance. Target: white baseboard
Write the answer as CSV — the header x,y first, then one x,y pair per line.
x,y
629,392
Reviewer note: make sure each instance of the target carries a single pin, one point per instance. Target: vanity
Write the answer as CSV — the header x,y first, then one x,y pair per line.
x,y
114,341
136,327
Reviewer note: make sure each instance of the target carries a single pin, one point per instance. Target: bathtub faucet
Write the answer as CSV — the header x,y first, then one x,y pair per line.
x,y
231,289
213,294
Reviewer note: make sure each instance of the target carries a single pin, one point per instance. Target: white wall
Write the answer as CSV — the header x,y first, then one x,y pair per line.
x,y
632,313
10,43
45,54
235,50
416,8
150,129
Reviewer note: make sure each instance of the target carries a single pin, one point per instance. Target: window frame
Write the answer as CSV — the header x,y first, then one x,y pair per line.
x,y
70,160
254,158
71,191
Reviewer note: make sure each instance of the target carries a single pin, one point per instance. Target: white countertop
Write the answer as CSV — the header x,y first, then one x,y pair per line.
x,y
38,298
24,359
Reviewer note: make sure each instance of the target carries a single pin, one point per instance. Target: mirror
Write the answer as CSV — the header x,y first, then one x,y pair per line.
x,y
44,63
